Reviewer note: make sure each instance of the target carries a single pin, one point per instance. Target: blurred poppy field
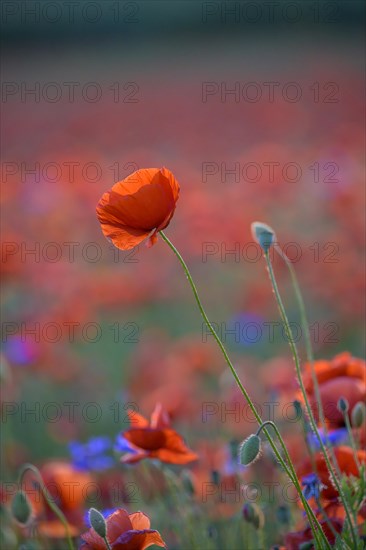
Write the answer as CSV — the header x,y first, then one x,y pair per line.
x,y
113,389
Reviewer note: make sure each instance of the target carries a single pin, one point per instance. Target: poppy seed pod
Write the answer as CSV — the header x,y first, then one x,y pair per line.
x,y
263,234
98,523
250,450
21,508
358,414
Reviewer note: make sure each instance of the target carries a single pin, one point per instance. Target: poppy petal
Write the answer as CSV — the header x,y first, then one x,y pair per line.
x,y
138,540
139,521
175,450
123,237
92,541
159,417
118,522
136,419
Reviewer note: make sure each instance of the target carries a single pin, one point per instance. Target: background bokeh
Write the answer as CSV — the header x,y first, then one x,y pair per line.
x,y
151,87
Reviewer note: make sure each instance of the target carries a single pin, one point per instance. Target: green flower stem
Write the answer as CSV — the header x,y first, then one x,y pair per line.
x,y
304,394
48,498
305,326
310,358
107,543
327,519
176,493
293,477
309,352
283,445
313,464
352,440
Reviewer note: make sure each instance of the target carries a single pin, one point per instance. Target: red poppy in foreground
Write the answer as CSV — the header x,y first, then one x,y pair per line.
x,y
124,532
343,376
154,439
138,207
329,496
346,463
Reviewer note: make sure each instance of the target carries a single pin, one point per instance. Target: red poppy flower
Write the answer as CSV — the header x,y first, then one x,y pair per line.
x,y
154,439
346,462
124,532
68,487
138,207
343,376
335,510
329,496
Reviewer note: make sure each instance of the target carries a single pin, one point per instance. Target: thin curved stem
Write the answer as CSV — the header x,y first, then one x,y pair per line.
x,y
315,525
309,351
352,440
305,326
304,394
48,498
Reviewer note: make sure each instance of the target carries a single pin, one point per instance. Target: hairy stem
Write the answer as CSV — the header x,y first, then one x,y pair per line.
x,y
304,394
315,525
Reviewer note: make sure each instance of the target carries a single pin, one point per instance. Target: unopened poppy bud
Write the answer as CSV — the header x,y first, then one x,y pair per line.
x,y
263,234
250,450
98,523
253,514
21,508
358,414
343,405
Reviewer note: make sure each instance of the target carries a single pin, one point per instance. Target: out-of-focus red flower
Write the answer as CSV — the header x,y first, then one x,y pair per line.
x,y
124,532
329,496
335,510
68,488
343,376
154,439
174,374
346,462
138,207
294,540
217,480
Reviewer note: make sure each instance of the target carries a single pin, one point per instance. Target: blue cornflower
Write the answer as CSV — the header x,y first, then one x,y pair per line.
x,y
312,486
231,465
92,455
335,437
19,352
245,328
